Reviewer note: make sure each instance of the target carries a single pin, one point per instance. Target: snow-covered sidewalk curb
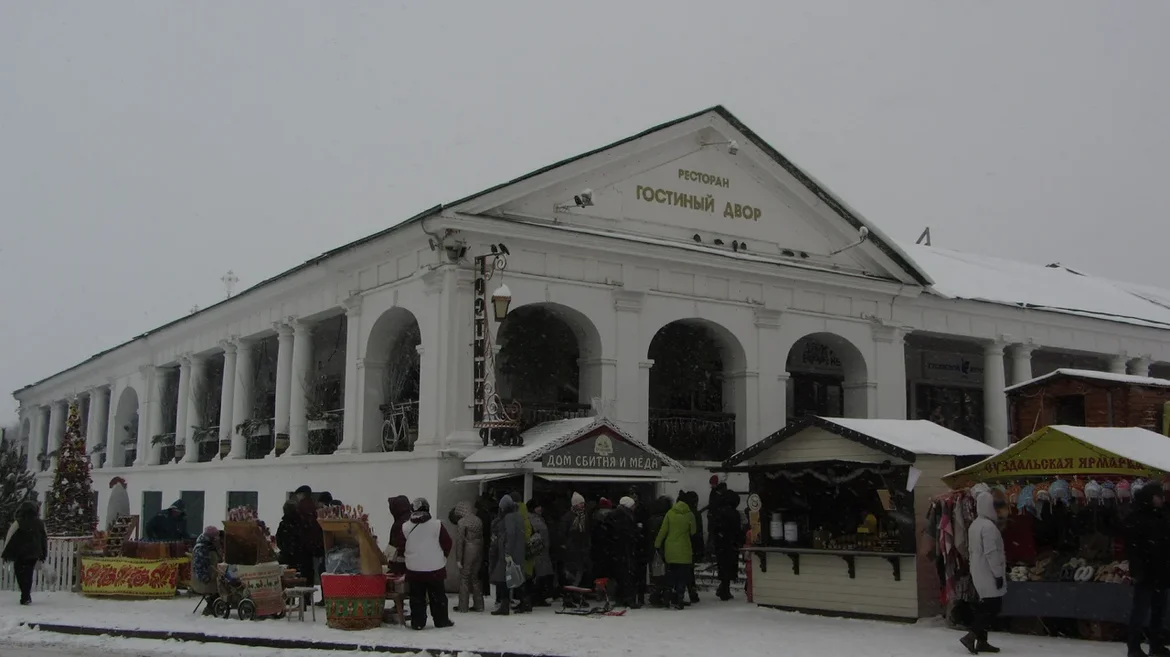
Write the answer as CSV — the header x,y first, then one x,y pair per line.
x,y
708,628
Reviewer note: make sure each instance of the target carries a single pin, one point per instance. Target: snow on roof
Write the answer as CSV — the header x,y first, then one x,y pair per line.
x,y
916,436
1057,289
1133,443
548,436
1100,376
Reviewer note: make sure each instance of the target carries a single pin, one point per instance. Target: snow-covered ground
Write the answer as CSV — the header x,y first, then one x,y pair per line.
x,y
706,629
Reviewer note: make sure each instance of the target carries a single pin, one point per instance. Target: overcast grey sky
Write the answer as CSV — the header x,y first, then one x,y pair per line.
x,y
148,147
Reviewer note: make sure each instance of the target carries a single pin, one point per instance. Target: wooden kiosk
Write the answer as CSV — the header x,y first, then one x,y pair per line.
x,y
841,505
353,602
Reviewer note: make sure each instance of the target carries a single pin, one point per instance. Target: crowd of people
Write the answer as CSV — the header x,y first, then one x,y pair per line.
x,y
641,552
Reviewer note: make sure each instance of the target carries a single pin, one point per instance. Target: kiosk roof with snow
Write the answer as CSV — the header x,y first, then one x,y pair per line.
x,y
1066,450
900,439
577,449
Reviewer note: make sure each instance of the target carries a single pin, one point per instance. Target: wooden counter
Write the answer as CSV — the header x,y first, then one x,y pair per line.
x,y
845,582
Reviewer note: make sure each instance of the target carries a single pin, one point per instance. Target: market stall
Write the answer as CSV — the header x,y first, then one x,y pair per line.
x,y
840,503
133,569
1068,491
354,585
589,455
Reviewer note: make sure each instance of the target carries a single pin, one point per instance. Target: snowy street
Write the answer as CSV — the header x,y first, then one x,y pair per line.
x,y
709,628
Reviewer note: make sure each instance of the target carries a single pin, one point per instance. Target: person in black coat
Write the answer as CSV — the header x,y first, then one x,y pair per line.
x,y
170,524
726,532
26,545
621,548
1147,542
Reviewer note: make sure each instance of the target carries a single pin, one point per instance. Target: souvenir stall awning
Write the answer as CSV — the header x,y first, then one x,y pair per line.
x,y
1067,450
577,449
901,439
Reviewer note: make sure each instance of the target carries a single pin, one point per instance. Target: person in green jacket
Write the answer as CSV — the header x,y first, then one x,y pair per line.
x,y
674,539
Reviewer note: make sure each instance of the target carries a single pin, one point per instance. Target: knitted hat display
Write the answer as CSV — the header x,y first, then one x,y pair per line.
x,y
1025,502
1040,493
1124,488
980,488
1013,494
1077,488
1059,492
1108,492
1093,491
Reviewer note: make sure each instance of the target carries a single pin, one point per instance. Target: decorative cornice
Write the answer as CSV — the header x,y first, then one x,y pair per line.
x,y
741,374
590,362
767,318
629,301
283,328
433,281
646,364
353,304
229,345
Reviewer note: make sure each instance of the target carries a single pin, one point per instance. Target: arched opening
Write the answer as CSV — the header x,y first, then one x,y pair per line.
x,y
392,380
325,389
547,361
123,450
827,377
693,400
203,417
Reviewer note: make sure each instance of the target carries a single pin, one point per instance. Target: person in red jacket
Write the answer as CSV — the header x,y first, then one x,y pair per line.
x,y
427,547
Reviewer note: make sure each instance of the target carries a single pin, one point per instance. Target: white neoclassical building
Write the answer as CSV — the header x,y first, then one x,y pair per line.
x,y
690,283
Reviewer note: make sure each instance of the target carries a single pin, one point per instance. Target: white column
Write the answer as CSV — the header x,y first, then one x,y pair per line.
x,y
372,375
1021,358
148,453
890,360
1140,366
769,394
183,407
995,415
860,399
350,426
36,433
99,411
91,439
196,389
241,397
741,392
227,391
1117,363
302,373
56,429
284,353
631,392
428,360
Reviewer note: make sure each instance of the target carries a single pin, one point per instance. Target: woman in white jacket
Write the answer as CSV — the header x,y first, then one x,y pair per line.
x,y
988,572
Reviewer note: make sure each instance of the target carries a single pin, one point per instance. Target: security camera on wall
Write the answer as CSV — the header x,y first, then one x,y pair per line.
x,y
584,199
456,251
733,147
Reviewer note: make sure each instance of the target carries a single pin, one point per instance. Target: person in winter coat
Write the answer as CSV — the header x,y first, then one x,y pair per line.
x,y
576,543
542,571
26,544
509,546
400,513
427,547
726,534
698,543
621,535
170,524
288,536
674,539
468,556
205,556
1147,545
485,510
988,572
658,587
312,541
601,557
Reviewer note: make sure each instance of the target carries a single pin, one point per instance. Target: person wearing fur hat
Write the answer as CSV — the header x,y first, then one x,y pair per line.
x,y
1147,542
205,556
509,546
576,543
427,547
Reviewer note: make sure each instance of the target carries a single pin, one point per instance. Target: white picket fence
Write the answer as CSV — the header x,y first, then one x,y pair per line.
x,y
61,569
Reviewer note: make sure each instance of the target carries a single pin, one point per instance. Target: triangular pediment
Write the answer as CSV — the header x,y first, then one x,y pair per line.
x,y
706,180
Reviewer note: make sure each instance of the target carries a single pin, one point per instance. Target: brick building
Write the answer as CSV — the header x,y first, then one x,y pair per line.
x,y
1088,399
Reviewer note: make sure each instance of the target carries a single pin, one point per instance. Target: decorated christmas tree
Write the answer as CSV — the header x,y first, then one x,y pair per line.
x,y
16,483
71,509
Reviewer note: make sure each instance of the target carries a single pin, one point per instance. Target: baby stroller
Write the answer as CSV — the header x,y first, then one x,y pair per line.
x,y
236,593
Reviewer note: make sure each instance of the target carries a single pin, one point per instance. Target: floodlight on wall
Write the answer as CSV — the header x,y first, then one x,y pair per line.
x,y
863,235
583,199
732,145
501,299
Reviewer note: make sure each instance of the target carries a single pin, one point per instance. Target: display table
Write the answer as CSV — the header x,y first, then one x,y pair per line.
x,y
878,584
1091,601
131,578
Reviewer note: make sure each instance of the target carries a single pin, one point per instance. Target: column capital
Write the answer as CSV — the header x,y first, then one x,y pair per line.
x,y
767,318
419,349
301,327
860,385
783,377
994,348
740,374
592,362
629,301
369,363
352,305
184,361
433,281
889,333
144,370
229,345
646,364
284,327
241,343
1025,347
